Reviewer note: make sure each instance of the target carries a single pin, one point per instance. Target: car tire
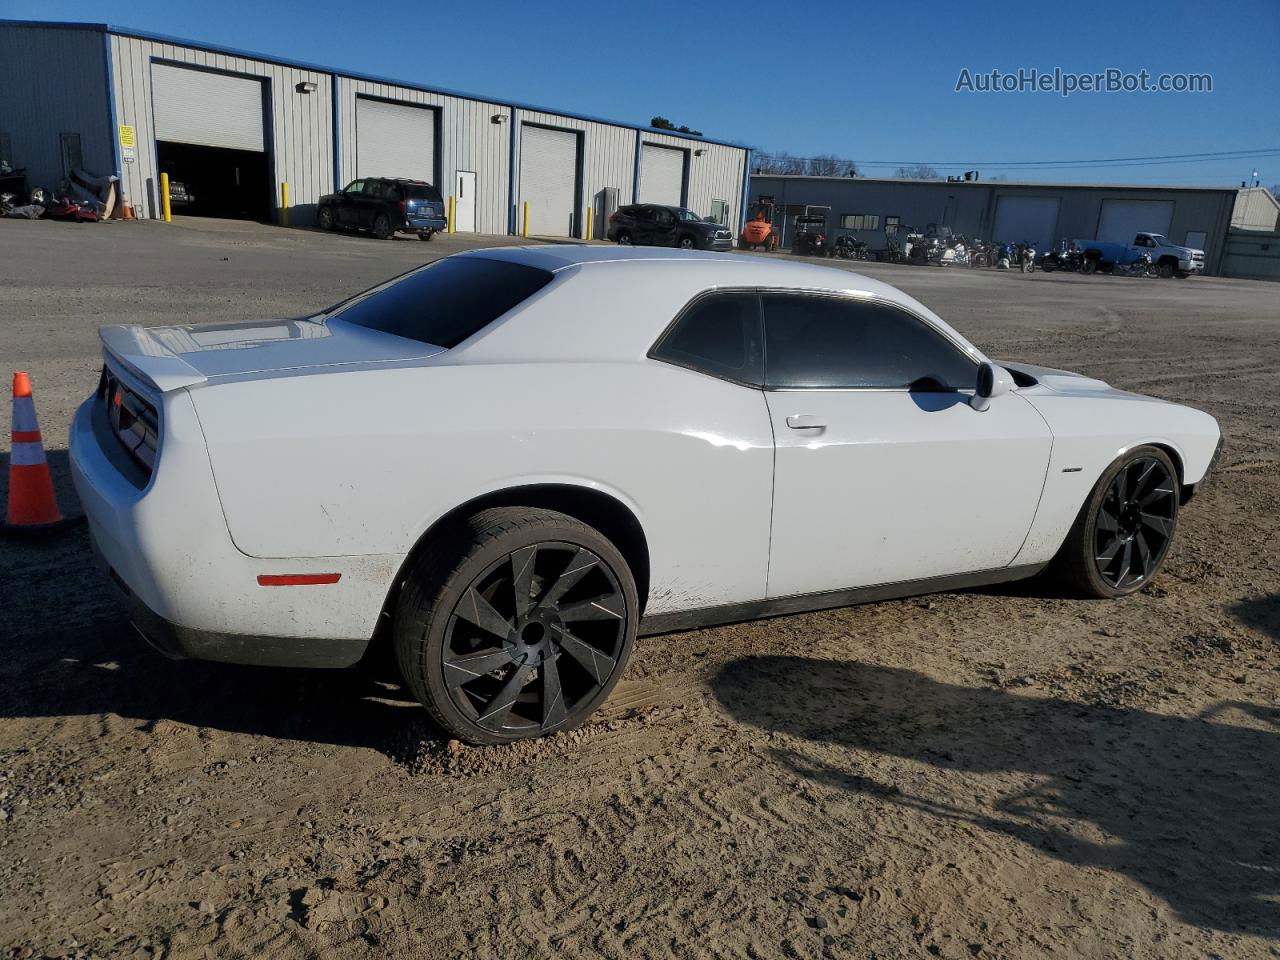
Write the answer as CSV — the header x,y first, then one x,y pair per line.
x,y
326,218
1165,270
687,243
1090,266
493,668
1123,532
382,226
426,234
624,239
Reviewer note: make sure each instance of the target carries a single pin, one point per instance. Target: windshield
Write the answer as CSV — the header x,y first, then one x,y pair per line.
x,y
1158,239
684,213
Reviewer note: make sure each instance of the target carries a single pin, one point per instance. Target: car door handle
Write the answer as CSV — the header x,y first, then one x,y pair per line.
x,y
805,422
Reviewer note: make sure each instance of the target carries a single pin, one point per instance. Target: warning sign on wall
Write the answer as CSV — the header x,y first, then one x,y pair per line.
x,y
126,135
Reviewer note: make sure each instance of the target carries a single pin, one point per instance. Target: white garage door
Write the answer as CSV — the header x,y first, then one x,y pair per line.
x,y
549,179
1122,220
1026,218
208,109
395,140
661,175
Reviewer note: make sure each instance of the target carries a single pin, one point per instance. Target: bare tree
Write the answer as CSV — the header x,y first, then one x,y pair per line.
x,y
921,171
784,164
829,165
779,164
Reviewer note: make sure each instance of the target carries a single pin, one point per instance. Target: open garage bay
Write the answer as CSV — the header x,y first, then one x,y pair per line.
x,y
995,773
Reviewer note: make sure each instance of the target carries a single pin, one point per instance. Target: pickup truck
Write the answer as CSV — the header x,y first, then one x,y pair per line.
x,y
1170,259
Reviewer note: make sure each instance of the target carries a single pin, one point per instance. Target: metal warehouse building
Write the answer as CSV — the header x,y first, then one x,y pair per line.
x,y
1004,212
234,126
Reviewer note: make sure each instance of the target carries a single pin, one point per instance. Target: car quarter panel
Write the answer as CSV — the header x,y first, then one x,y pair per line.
x,y
1091,428
168,545
363,462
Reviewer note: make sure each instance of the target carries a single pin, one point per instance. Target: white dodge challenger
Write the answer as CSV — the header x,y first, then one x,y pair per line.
x,y
510,462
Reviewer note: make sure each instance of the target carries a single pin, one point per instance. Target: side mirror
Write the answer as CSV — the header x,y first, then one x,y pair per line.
x,y
993,380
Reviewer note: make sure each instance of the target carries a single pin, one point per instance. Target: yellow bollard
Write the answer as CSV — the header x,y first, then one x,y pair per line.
x,y
284,204
164,198
525,231
452,208
591,211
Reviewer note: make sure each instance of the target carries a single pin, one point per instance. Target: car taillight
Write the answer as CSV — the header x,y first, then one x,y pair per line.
x,y
613,218
404,206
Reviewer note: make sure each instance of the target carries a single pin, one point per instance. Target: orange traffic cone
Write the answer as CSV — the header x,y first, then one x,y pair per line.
x,y
32,504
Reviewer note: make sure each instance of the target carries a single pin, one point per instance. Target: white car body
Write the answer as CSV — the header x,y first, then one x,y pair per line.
x,y
324,448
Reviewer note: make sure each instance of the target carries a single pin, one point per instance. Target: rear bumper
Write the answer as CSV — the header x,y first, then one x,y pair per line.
x,y
423,224
188,643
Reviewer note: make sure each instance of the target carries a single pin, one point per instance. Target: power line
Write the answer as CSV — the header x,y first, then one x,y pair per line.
x,y
1156,160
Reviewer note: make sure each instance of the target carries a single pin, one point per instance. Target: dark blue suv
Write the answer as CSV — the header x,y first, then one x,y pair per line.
x,y
384,206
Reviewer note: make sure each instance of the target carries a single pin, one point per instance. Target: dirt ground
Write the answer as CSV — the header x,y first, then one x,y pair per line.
x,y
994,773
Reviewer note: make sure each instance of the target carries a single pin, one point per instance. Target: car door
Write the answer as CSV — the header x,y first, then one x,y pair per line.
x,y
664,227
883,472
372,202
348,201
642,230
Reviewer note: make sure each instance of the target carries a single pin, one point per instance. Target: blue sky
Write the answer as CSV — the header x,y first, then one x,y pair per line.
x,y
871,82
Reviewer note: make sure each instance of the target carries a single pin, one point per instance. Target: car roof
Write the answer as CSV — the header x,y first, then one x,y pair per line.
x,y
714,268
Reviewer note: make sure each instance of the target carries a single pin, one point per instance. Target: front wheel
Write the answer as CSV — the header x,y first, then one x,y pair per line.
x,y
1121,535
516,625
687,243
1165,270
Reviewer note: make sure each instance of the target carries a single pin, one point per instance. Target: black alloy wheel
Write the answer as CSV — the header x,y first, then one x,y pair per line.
x,y
1124,529
533,638
382,226
518,626
624,239
687,243
1134,523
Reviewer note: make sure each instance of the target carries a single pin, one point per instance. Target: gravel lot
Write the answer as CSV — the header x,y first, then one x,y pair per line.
x,y
995,773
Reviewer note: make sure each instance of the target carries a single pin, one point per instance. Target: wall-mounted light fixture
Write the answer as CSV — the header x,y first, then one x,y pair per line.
x,y
306,86
498,118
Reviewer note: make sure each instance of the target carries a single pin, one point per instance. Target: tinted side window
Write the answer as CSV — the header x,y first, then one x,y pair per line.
x,y
424,191
446,301
719,335
813,341
355,186
664,217
373,188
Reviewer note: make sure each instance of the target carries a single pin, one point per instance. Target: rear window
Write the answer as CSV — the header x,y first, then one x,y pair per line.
x,y
446,301
422,191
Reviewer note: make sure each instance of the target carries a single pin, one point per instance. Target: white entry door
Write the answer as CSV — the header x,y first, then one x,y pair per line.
x,y
464,201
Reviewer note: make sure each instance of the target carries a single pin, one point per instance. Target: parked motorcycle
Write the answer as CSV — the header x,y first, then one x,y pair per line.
x,y
809,240
1142,267
1024,255
1068,256
979,254
849,248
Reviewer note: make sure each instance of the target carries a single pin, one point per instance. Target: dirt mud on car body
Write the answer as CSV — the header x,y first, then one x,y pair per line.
x,y
1000,772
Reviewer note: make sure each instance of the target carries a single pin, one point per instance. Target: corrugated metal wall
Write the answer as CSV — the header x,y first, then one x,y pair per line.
x,y
300,126
34,112
469,140
608,160
716,175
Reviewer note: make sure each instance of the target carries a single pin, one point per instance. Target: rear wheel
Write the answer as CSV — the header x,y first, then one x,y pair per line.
x,y
382,226
1123,532
326,218
516,625
426,234
624,239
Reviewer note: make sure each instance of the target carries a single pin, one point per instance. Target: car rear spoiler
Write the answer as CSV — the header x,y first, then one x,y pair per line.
x,y
142,354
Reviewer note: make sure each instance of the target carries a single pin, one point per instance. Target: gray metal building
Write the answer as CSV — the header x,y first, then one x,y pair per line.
x,y
1042,213
234,126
